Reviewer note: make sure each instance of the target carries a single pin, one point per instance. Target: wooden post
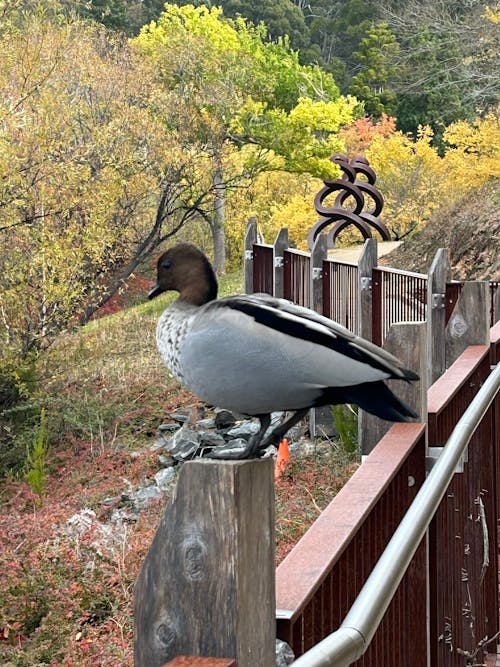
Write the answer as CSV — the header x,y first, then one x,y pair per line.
x,y
366,263
408,342
318,255
206,587
250,239
320,419
439,275
469,323
280,245
495,302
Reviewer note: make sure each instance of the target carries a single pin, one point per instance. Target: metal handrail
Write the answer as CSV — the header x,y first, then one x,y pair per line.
x,y
353,637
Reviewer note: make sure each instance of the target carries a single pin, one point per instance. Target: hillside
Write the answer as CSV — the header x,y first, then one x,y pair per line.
x,y
72,553
471,232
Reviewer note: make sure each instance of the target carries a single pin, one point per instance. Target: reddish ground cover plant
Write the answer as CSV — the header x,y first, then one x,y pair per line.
x,y
69,565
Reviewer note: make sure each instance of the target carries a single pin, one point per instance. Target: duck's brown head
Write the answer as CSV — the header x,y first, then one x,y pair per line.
x,y
186,270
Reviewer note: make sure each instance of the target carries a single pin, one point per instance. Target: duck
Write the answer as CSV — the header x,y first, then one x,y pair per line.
x,y
256,354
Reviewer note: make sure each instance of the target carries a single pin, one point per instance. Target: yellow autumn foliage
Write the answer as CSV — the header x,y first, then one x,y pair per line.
x,y
415,180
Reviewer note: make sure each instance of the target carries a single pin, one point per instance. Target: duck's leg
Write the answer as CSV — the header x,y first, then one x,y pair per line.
x,y
275,437
252,448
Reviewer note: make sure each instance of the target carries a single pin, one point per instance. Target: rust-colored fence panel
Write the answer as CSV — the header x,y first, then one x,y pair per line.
x,y
197,661
297,277
340,294
495,302
263,268
398,296
462,536
319,580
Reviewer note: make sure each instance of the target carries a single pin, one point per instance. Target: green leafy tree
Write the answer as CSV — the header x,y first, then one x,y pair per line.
x,y
281,17
337,27
92,180
376,55
448,65
235,90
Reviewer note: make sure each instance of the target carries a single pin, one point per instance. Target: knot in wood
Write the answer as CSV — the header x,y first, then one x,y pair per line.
x,y
194,557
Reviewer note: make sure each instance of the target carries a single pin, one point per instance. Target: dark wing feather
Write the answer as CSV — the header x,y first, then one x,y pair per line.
x,y
305,324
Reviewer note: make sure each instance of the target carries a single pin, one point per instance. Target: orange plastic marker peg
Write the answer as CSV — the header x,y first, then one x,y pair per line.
x,y
282,459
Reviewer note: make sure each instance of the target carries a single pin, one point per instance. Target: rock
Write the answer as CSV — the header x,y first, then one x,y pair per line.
x,y
168,428
120,515
164,477
111,500
235,445
224,419
243,430
160,443
268,452
166,461
181,416
184,444
136,453
284,654
211,439
205,423
146,495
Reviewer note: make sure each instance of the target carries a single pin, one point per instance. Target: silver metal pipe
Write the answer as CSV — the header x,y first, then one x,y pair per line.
x,y
351,640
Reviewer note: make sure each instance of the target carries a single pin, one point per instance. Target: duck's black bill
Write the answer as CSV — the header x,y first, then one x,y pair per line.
x,y
155,291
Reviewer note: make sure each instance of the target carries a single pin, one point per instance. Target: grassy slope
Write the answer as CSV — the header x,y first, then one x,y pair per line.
x,y
67,597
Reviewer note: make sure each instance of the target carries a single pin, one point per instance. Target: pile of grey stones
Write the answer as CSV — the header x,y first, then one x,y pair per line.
x,y
185,437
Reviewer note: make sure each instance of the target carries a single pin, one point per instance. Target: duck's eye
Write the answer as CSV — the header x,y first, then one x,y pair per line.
x,y
166,264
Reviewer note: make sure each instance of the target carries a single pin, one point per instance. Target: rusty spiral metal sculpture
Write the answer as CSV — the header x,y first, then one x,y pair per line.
x,y
349,188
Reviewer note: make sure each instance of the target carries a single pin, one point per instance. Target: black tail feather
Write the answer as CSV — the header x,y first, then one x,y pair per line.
x,y
374,397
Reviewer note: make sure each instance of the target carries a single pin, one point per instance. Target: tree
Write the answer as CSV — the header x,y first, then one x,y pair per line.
x,y
412,178
448,64
337,27
91,181
377,50
233,89
127,16
280,17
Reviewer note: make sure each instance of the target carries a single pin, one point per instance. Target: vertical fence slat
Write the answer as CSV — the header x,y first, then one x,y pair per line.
x,y
408,342
280,245
248,258
366,263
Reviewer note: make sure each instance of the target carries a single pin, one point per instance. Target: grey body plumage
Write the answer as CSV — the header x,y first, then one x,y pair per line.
x,y
257,354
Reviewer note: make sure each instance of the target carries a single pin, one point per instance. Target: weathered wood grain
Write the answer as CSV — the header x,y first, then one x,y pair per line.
x,y
206,587
439,274
280,245
250,239
469,324
408,342
366,263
